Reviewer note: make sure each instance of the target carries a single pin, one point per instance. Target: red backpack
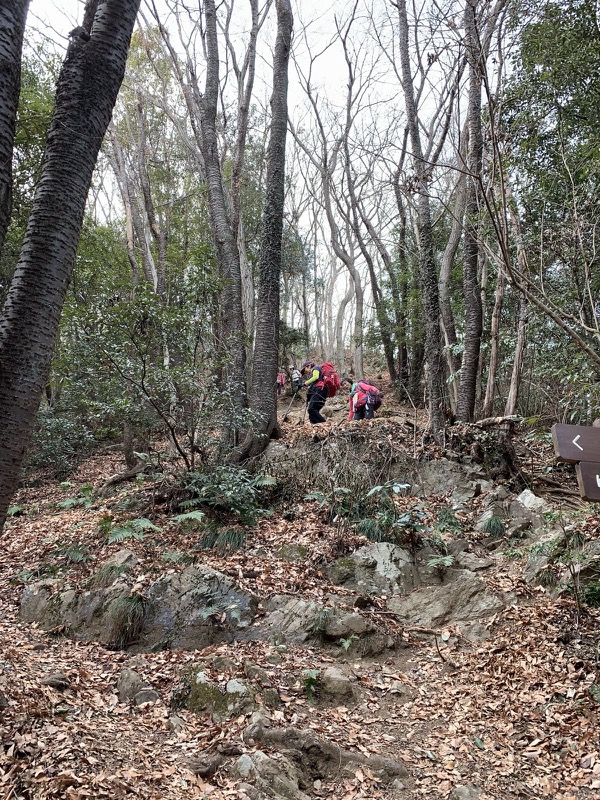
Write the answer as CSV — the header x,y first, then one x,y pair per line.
x,y
372,394
330,378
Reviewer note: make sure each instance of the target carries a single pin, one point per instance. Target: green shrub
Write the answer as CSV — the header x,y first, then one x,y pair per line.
x,y
59,440
227,491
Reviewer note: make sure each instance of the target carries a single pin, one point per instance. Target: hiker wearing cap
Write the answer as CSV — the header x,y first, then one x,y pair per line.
x,y
296,378
316,393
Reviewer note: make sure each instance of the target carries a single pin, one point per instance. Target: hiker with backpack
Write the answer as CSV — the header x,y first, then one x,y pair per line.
x,y
321,381
280,383
364,400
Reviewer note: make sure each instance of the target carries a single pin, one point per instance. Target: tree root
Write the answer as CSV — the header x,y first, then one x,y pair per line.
x,y
318,757
121,477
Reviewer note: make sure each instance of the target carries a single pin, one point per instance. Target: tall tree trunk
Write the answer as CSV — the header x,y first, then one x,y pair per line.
x,y
12,25
263,397
340,356
427,265
519,357
488,400
523,316
447,315
472,296
232,333
86,93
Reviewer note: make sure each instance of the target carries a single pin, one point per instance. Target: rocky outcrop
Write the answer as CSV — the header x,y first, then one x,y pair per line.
x,y
189,610
464,597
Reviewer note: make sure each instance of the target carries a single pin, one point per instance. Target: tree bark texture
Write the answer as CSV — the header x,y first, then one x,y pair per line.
x,y
13,14
86,93
263,397
427,263
473,311
232,329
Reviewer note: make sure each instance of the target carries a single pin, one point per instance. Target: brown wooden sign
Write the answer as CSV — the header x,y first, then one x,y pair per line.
x,y
588,478
576,442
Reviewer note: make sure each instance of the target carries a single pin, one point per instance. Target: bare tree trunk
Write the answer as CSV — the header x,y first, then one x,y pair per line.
x,y
523,316
447,315
427,265
263,397
232,332
339,324
12,25
488,400
473,311
86,92
519,358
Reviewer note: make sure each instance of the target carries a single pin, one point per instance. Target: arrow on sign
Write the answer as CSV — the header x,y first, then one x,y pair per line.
x,y
576,442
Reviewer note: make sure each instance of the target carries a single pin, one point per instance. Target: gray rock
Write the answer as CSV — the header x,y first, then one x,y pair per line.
x,y
277,779
288,619
188,610
270,697
442,476
236,687
344,624
145,695
206,697
379,568
129,684
472,562
464,597
334,682
256,673
123,558
530,501
244,766
176,723
56,680
465,793
3,701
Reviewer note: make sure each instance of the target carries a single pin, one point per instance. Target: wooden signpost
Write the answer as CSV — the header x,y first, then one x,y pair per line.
x,y
580,444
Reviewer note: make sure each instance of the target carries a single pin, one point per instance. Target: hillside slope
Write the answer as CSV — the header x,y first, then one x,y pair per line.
x,y
365,701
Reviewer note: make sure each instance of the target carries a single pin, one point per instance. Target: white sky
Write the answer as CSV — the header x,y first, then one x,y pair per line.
x,y
53,19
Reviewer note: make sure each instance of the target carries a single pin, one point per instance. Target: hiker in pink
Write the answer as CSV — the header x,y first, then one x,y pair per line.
x,y
280,383
365,400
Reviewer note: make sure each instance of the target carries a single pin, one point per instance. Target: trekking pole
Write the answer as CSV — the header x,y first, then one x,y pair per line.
x,y
284,418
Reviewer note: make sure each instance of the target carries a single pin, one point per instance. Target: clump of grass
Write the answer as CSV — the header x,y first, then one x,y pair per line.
x,y
226,540
127,616
106,575
494,526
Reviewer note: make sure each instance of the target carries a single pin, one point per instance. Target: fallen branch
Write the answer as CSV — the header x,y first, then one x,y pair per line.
x,y
121,477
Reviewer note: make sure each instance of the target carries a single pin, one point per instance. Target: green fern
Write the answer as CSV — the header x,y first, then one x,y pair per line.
x,y
122,532
311,684
372,530
447,521
191,519
134,529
